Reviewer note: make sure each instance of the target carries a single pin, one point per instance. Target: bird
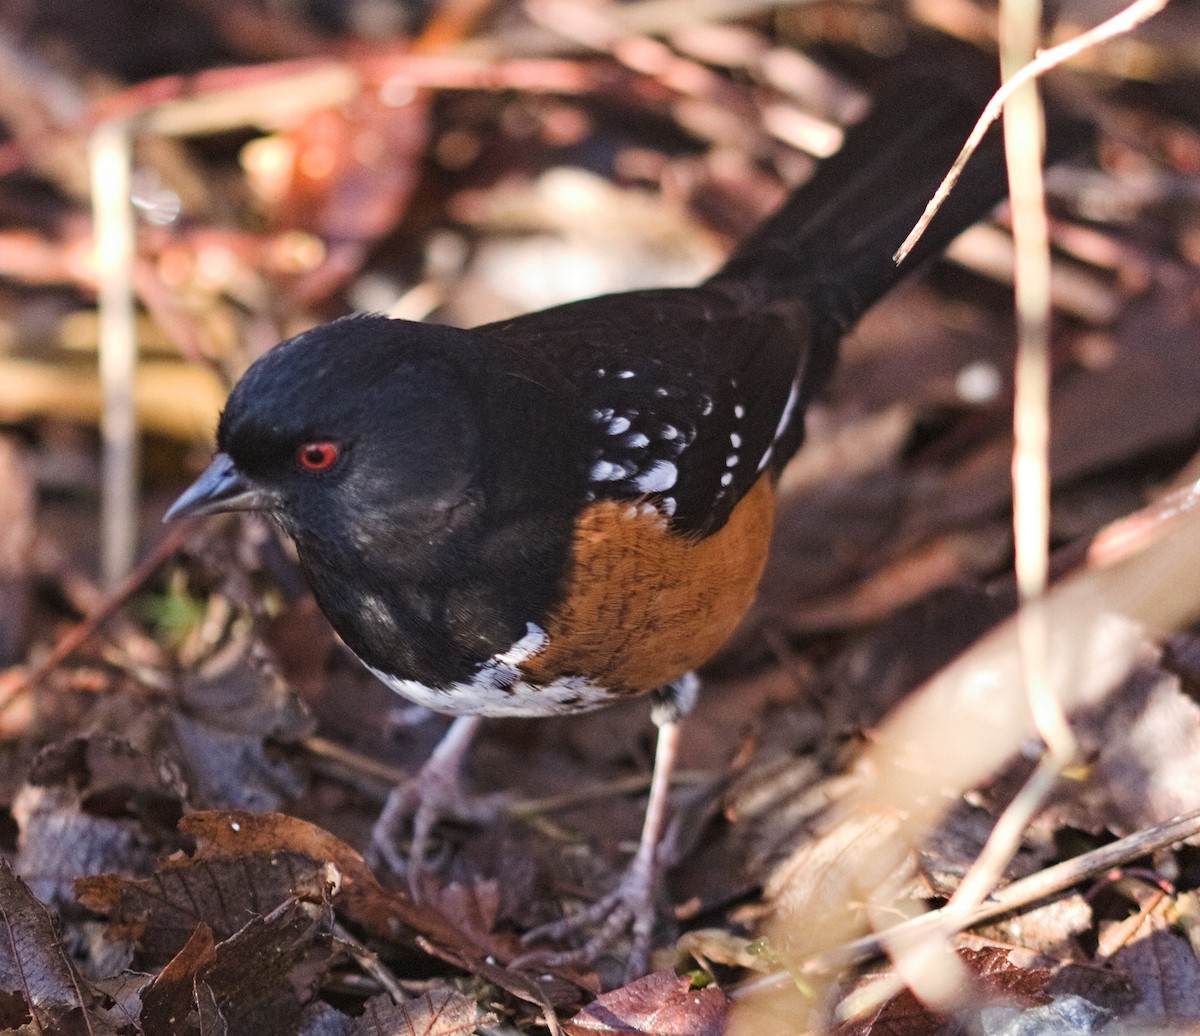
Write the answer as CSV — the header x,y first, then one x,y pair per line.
x,y
571,508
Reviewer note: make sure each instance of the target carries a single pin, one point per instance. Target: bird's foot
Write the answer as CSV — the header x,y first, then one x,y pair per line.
x,y
411,813
414,808
630,908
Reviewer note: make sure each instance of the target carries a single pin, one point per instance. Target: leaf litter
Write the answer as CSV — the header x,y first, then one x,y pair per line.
x,y
186,789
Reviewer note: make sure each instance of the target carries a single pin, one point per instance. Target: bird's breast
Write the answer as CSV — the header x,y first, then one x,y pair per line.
x,y
644,605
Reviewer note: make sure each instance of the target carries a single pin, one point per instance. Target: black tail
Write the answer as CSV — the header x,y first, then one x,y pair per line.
x,y
835,237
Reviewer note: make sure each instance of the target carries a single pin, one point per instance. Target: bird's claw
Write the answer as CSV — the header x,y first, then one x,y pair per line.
x,y
414,809
629,908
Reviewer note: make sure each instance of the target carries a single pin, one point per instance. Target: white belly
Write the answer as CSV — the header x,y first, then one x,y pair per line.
x,y
498,689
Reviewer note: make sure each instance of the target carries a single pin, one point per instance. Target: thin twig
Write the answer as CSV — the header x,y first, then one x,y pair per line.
x,y
921,963
110,155
79,634
633,785
1023,136
359,764
1124,21
223,99
370,963
1021,893
521,809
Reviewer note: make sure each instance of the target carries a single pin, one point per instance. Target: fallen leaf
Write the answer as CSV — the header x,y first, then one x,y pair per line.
x,y
233,707
462,937
901,1015
1144,747
168,999
440,1012
1163,967
259,976
996,979
40,990
160,913
661,1004
999,977
93,804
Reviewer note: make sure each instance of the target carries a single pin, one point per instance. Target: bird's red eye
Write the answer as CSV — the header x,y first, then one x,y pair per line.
x,y
318,456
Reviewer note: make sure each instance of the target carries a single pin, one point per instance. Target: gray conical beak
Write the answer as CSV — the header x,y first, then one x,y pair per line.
x,y
220,488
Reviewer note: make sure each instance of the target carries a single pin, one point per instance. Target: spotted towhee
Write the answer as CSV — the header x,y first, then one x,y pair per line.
x,y
563,510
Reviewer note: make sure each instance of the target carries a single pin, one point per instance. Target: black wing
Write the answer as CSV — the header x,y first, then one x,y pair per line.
x,y
687,398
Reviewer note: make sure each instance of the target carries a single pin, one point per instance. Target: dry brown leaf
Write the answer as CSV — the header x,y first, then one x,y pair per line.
x,y
956,842
39,987
254,980
93,804
259,975
159,914
233,706
246,864
1162,965
1000,978
170,996
900,1015
233,836
1053,928
661,1004
440,1012
996,978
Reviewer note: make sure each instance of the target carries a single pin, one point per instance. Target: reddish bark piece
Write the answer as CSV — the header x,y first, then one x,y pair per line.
x,y
661,1004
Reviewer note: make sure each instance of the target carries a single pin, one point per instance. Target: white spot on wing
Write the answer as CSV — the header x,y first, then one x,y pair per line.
x,y
658,477
739,411
606,471
624,374
618,425
735,441
727,478
636,441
